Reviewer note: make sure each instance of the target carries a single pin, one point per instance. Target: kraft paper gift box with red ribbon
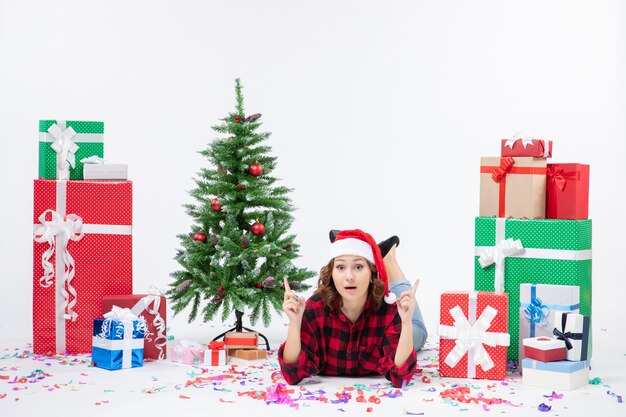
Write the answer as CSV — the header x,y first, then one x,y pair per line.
x,y
215,354
544,349
538,306
510,252
513,187
152,308
187,352
241,340
574,330
63,144
82,252
567,193
559,375
525,146
473,336
118,340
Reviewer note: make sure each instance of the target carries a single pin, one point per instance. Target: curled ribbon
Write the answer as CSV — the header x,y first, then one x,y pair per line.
x,y
65,148
496,254
470,338
505,166
154,300
64,229
537,312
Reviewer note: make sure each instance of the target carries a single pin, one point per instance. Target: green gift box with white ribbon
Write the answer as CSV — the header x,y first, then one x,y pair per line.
x,y
62,145
510,252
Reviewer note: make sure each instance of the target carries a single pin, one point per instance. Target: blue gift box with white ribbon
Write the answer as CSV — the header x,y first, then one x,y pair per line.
x,y
118,341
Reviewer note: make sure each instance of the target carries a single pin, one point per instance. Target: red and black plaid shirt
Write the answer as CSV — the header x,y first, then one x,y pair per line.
x,y
333,345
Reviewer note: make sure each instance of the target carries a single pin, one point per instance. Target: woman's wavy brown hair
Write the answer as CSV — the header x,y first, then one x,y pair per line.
x,y
329,294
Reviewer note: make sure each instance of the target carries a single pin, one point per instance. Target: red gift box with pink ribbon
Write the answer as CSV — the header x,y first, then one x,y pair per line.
x,y
152,308
473,336
513,187
82,252
567,194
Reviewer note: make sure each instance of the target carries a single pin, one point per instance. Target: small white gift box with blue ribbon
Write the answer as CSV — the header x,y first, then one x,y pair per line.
x,y
118,340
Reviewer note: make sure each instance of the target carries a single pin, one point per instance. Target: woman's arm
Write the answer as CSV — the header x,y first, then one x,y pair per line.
x,y
406,305
419,329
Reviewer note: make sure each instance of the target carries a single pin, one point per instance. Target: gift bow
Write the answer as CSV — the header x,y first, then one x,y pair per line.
x,y
216,345
64,229
556,176
64,147
470,338
526,140
537,312
496,254
505,166
567,337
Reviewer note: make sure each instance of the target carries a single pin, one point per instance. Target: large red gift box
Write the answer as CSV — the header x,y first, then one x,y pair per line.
x,y
567,191
473,335
537,148
152,308
82,252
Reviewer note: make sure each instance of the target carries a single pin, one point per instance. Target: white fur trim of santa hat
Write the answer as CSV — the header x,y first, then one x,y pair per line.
x,y
351,246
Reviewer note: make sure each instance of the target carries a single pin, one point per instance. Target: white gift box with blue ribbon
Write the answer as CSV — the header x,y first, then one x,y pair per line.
x,y
539,304
560,375
118,340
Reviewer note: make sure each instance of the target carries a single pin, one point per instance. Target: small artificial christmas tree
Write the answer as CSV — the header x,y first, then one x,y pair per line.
x,y
239,249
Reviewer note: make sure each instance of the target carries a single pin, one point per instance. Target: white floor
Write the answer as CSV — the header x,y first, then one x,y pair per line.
x,y
69,386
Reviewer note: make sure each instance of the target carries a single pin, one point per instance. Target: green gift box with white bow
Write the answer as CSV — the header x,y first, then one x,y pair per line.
x,y
62,145
510,252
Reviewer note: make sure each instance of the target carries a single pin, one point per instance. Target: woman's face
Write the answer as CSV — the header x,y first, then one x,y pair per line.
x,y
351,276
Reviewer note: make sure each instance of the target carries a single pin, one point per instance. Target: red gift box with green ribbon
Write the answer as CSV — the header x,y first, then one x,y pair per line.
x,y
513,187
82,252
567,193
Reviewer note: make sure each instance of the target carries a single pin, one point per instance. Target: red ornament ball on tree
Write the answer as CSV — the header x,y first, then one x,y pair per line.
x,y
255,169
215,205
220,288
257,229
259,285
199,237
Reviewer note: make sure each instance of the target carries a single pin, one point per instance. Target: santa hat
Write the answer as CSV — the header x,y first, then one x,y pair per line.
x,y
358,243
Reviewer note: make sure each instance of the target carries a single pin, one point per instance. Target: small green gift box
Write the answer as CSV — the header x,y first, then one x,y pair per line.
x,y
61,141
510,252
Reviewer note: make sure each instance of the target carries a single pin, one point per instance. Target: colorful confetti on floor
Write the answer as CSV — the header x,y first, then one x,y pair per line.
x,y
27,381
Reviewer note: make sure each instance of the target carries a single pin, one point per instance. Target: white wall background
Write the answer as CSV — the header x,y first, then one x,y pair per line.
x,y
379,112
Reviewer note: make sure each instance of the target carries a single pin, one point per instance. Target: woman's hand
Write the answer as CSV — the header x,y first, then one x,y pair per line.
x,y
293,305
406,303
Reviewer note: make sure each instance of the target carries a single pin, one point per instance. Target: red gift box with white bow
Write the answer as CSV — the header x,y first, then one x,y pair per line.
x,y
82,252
473,336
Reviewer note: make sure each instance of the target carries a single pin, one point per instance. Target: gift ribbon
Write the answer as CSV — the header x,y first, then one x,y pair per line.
x,y
567,336
558,177
499,173
57,233
532,253
496,255
65,148
144,304
471,335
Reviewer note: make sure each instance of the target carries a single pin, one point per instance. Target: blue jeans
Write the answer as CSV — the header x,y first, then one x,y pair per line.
x,y
419,330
